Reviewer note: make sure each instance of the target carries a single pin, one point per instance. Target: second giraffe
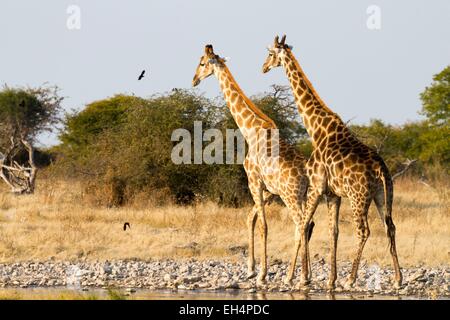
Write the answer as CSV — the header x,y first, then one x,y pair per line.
x,y
340,166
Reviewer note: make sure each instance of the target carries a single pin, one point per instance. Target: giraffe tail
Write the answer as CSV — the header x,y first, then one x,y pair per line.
x,y
388,199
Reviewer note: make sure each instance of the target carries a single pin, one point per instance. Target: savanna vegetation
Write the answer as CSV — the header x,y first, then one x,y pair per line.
x,y
121,146
113,164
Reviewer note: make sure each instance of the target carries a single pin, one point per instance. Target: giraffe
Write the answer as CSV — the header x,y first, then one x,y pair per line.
x,y
285,177
340,166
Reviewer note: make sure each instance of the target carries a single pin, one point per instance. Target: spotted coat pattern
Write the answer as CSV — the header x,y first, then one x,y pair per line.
x,y
340,166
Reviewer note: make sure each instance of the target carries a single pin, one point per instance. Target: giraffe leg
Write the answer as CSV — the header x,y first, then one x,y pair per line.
x,y
297,239
261,280
306,226
268,197
390,231
291,271
334,204
251,221
362,226
309,234
256,190
379,202
297,210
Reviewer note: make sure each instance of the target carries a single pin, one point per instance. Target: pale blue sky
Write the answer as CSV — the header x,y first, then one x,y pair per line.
x,y
360,73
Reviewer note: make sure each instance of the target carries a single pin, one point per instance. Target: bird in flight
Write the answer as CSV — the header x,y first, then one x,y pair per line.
x,y
125,226
141,75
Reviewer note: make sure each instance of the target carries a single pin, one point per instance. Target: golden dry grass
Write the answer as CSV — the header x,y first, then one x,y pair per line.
x,y
56,223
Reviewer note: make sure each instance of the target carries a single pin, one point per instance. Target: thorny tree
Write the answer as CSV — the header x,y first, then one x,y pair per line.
x,y
24,113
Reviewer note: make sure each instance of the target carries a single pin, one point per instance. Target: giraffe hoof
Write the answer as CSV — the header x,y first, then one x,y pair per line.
x,y
397,284
261,283
330,286
303,287
349,284
304,283
251,275
288,282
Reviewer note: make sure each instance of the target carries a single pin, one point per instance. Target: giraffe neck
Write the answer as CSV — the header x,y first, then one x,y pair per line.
x,y
318,119
247,116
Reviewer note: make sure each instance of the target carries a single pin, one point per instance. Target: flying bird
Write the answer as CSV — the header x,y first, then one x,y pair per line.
x,y
142,75
125,226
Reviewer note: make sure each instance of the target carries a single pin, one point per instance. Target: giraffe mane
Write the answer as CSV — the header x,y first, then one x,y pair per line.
x,y
308,83
248,102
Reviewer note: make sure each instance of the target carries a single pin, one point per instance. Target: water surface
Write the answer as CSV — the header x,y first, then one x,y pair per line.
x,y
143,294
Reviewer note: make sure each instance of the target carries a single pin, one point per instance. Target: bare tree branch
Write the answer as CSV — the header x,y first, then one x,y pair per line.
x,y
20,178
32,177
379,146
407,165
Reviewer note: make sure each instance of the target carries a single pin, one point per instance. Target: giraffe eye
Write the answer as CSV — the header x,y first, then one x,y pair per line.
x,y
202,64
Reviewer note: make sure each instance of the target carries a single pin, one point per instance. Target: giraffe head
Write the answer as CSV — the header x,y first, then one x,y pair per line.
x,y
276,52
208,61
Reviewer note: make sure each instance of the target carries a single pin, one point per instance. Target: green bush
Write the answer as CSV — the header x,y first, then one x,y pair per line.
x,y
122,146
83,127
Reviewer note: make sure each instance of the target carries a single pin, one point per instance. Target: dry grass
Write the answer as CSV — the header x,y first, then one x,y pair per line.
x,y
56,223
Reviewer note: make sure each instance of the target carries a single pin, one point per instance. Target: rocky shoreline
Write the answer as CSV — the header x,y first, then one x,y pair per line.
x,y
215,275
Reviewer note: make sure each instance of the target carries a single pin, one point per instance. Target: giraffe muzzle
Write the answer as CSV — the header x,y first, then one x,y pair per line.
x,y
195,81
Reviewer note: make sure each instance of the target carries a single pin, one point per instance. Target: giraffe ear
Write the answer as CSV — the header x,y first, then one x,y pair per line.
x,y
226,59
